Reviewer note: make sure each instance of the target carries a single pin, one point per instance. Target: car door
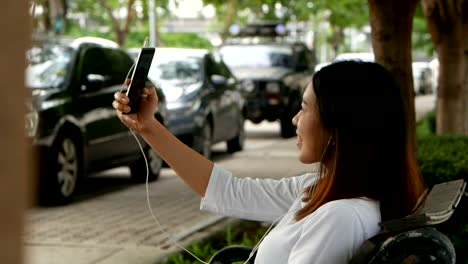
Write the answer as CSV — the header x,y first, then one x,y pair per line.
x,y
224,105
103,72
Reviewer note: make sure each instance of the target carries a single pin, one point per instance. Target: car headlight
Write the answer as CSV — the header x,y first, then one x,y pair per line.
x,y
31,123
248,86
272,87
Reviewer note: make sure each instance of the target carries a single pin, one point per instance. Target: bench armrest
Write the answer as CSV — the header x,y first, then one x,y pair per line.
x,y
437,207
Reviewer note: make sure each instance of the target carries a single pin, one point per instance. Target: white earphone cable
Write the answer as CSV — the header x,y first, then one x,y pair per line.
x,y
149,203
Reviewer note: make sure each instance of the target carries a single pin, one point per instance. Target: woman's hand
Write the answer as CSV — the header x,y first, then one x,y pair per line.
x,y
142,119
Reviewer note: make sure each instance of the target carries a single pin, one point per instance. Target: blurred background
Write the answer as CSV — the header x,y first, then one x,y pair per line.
x,y
230,76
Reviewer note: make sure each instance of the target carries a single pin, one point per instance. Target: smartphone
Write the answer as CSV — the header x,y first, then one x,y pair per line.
x,y
138,78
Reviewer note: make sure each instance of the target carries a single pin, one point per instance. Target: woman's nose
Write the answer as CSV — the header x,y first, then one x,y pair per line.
x,y
294,119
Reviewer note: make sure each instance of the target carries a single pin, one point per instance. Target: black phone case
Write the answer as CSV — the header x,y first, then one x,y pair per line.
x,y
138,79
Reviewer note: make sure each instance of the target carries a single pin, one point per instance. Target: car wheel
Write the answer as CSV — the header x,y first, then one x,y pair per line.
x,y
203,141
237,143
64,167
138,168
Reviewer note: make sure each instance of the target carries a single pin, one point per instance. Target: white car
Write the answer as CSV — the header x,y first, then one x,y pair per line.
x,y
320,66
423,78
364,56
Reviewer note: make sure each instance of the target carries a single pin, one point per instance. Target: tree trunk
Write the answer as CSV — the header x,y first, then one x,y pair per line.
x,y
231,10
465,85
445,23
338,36
16,190
120,34
392,23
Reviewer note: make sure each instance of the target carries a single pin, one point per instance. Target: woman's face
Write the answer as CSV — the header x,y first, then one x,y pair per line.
x,y
309,131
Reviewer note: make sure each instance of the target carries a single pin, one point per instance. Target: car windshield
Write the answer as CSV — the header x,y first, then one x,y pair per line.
x,y
259,56
176,69
48,66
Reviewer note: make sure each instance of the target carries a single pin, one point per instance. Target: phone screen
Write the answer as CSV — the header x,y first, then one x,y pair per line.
x,y
139,76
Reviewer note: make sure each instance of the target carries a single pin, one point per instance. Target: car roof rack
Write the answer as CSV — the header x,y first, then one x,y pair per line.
x,y
260,33
259,29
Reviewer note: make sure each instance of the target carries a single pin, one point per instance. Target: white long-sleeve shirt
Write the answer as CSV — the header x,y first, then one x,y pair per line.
x,y
330,235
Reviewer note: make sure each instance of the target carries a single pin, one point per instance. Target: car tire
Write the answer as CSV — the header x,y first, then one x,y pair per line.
x,y
237,143
138,170
62,171
203,140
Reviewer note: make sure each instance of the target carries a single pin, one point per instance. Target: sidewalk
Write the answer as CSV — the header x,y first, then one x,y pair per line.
x,y
116,228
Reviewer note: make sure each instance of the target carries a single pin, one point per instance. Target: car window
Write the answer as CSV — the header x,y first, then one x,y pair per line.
x,y
94,62
49,66
176,69
119,63
112,64
237,56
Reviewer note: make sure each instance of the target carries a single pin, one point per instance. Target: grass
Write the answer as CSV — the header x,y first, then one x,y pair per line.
x,y
246,233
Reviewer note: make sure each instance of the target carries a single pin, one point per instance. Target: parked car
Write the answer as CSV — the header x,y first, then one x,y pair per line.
x,y
422,72
274,73
71,120
204,103
364,56
423,78
321,65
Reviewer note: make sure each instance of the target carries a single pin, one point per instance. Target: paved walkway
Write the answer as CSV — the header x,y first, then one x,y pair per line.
x,y
116,227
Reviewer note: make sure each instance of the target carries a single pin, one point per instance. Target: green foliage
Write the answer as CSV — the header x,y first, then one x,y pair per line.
x,y
185,40
427,125
441,159
246,233
421,38
136,37
73,30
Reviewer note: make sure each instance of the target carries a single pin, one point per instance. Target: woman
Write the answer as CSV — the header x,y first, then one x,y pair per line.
x,y
353,122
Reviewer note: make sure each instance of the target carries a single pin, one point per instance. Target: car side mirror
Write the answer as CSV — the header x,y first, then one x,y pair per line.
x,y
94,82
218,81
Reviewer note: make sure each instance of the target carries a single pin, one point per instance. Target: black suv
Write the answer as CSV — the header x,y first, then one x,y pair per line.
x,y
71,120
274,73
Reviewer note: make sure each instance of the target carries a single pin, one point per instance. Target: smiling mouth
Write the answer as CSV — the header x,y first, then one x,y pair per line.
x,y
299,141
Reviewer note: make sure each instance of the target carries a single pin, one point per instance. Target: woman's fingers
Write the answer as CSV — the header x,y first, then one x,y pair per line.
x,y
121,97
120,102
150,93
121,107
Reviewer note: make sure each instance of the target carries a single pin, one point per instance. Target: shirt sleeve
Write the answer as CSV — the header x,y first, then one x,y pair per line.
x,y
252,199
331,235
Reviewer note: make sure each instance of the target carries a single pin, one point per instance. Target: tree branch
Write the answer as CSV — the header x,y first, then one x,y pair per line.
x,y
129,16
115,22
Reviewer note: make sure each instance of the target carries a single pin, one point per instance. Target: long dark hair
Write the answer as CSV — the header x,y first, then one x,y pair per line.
x,y
368,154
